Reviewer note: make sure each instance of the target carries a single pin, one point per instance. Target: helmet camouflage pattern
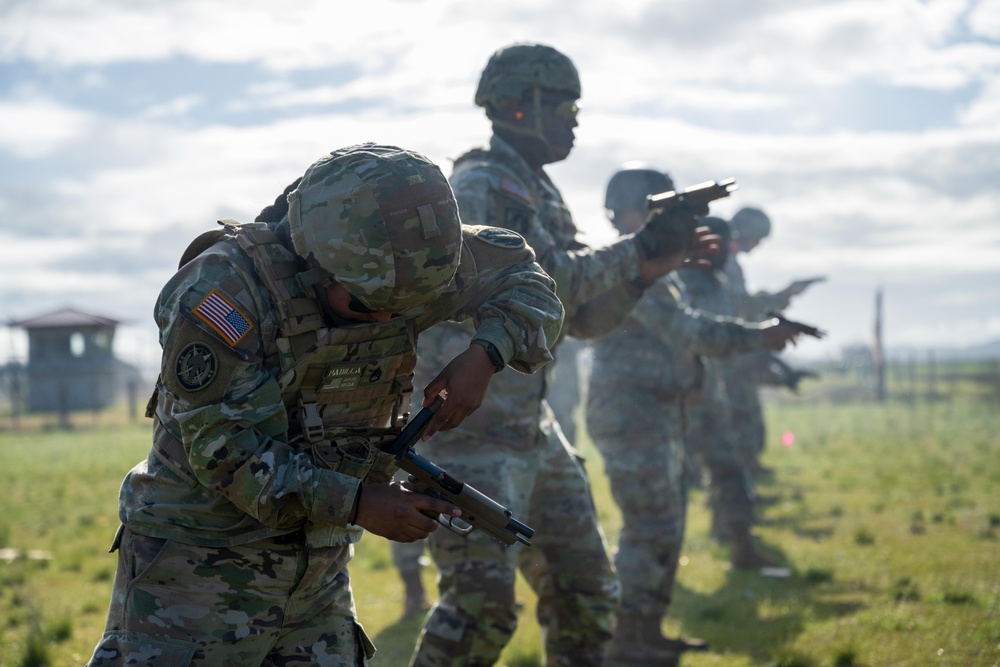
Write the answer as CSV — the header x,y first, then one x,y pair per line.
x,y
631,184
750,223
382,221
517,68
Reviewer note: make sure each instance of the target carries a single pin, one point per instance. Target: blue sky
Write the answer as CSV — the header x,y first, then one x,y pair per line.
x,y
868,131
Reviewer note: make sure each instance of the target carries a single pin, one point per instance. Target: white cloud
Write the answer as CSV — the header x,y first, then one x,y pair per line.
x,y
918,206
35,128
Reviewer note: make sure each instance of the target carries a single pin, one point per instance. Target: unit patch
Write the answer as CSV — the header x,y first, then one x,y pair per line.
x,y
216,311
196,366
503,238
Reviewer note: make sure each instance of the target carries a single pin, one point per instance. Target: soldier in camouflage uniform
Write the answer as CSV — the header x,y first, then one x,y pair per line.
x,y
288,352
642,377
512,449
712,432
749,226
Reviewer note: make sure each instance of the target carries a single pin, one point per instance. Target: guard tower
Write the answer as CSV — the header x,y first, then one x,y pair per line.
x,y
70,365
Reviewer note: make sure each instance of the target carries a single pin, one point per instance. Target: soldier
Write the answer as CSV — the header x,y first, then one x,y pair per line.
x,y
288,352
749,226
565,391
512,449
713,433
642,376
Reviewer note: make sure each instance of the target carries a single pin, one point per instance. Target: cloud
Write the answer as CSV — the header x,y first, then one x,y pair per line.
x,y
36,128
867,130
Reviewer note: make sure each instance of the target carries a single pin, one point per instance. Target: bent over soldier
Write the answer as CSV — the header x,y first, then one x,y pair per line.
x,y
513,449
288,351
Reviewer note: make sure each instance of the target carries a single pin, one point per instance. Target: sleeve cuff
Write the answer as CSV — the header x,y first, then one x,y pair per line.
x,y
335,494
493,332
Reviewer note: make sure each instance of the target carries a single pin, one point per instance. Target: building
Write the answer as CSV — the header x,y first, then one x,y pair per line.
x,y
70,362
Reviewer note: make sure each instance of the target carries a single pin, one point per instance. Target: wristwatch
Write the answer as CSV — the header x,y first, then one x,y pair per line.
x,y
493,353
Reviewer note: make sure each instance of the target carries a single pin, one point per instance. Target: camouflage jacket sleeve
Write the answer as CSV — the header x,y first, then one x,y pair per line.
x,y
508,296
594,284
232,423
700,333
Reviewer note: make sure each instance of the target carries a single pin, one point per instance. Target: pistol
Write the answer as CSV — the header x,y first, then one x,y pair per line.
x,y
478,510
702,193
806,329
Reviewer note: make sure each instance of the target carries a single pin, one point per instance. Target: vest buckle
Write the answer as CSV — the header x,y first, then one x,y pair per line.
x,y
310,422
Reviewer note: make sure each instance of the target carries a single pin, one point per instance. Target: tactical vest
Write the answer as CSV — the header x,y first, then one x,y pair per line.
x,y
338,384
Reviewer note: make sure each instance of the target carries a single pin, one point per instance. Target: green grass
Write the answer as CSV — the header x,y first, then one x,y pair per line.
x,y
888,515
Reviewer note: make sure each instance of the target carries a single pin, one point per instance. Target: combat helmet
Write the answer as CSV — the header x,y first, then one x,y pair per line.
x,y
382,221
631,184
515,69
750,224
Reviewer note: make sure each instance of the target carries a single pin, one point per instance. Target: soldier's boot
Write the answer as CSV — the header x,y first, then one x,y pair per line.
x,y
744,554
415,601
638,643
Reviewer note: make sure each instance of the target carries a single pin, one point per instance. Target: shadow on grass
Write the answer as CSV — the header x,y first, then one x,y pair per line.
x,y
396,642
759,616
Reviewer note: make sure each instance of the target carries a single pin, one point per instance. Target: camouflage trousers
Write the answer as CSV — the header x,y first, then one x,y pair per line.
x,y
641,441
716,443
267,603
748,423
567,565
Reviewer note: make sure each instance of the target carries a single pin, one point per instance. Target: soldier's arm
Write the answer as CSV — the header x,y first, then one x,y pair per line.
x,y
587,279
508,296
231,421
701,333
515,311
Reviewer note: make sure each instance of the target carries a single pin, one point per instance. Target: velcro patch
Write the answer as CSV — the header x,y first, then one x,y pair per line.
x,y
516,190
196,366
218,312
502,238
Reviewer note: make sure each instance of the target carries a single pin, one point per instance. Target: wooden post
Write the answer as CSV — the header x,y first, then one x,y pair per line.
x,y
878,356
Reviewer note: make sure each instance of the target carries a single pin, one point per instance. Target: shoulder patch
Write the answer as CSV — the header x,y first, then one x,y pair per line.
x,y
227,320
196,366
515,190
502,238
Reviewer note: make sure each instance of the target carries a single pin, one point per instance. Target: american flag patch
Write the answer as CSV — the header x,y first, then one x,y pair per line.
x,y
216,311
516,189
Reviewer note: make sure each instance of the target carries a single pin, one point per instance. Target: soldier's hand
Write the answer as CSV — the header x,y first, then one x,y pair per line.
x,y
464,382
778,334
703,246
669,232
396,514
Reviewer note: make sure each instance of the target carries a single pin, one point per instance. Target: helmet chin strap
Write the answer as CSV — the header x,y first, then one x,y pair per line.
x,y
535,131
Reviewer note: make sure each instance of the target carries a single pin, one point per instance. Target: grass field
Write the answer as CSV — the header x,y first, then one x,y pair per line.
x,y
888,515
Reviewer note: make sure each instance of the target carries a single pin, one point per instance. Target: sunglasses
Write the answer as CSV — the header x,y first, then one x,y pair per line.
x,y
568,109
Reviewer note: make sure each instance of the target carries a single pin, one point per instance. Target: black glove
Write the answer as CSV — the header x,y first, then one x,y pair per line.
x,y
670,231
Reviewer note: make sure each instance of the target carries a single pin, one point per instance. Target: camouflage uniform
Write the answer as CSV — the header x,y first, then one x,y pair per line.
x,y
268,412
712,434
739,372
513,450
565,392
642,376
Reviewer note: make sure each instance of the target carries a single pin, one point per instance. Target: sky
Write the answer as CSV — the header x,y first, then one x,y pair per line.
x,y
868,131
